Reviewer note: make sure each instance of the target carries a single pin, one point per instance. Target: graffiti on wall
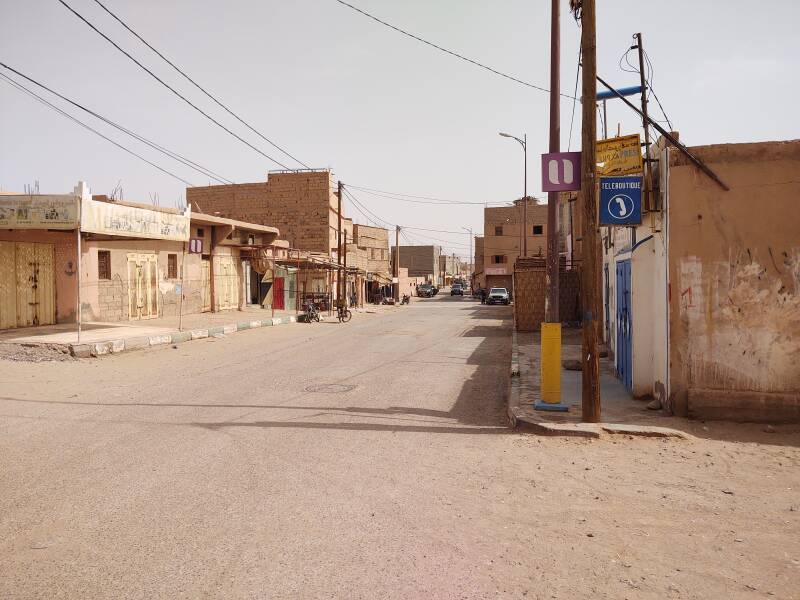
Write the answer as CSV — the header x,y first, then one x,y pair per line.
x,y
130,221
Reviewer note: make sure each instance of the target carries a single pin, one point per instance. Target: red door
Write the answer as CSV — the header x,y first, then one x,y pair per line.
x,y
277,294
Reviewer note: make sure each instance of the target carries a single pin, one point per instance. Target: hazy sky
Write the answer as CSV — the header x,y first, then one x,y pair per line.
x,y
383,111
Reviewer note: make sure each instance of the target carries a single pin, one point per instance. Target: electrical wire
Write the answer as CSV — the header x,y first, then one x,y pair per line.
x,y
173,90
446,51
199,87
85,126
174,155
574,96
417,199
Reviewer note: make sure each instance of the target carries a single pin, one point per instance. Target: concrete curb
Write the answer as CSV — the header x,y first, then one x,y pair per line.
x,y
96,349
527,421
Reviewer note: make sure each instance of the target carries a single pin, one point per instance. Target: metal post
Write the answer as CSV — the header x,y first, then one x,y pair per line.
x,y
272,287
297,287
396,270
525,199
79,312
551,302
605,120
590,268
183,287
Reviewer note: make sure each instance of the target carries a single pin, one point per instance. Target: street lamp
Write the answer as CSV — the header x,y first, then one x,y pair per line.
x,y
524,143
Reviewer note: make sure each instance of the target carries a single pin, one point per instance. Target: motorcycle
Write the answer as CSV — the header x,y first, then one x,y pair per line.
x,y
311,312
406,299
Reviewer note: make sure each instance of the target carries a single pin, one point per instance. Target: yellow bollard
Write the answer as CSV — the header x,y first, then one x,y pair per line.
x,y
550,368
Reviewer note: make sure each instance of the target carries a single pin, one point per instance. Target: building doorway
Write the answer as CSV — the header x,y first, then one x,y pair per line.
x,y
142,286
27,284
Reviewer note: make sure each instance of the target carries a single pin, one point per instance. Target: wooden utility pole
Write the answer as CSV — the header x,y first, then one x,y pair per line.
x,y
339,193
590,269
396,270
648,174
551,299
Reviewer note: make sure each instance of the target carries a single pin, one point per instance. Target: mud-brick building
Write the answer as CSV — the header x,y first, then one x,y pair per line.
x,y
503,242
373,252
702,300
421,261
302,204
75,256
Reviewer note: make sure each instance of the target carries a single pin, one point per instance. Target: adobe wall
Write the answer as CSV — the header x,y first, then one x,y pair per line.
x,y
735,283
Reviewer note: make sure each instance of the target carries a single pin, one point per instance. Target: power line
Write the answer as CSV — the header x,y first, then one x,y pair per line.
x,y
173,90
191,164
574,97
85,126
199,87
446,51
437,230
416,199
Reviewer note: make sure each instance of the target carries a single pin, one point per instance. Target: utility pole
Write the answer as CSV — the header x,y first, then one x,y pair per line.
x,y
344,285
525,199
648,175
396,270
339,245
551,301
590,269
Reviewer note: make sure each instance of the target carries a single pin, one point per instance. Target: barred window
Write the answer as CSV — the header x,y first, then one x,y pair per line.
x,y
103,264
538,229
172,266
498,230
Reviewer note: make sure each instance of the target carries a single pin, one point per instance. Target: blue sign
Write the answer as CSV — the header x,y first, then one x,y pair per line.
x,y
621,200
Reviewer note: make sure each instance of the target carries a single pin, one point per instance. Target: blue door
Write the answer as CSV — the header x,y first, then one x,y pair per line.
x,y
624,322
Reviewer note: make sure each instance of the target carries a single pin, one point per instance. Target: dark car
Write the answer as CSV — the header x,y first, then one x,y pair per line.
x,y
456,290
425,290
498,296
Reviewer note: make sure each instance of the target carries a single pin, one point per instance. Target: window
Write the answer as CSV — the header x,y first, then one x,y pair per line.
x,y
499,259
201,232
498,230
172,266
538,229
103,264
383,254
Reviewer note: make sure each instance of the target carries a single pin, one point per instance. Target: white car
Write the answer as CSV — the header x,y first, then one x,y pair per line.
x,y
498,296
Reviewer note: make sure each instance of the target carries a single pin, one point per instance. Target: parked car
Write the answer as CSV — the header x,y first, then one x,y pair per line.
x,y
425,290
456,290
498,296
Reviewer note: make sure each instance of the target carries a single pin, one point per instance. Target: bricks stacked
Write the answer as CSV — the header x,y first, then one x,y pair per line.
x,y
530,285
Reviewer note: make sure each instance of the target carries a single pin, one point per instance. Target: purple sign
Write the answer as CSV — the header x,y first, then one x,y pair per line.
x,y
561,172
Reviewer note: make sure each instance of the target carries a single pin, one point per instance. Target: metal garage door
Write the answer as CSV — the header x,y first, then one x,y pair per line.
x,y
27,284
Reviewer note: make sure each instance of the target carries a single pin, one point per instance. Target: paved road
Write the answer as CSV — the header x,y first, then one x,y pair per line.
x,y
367,460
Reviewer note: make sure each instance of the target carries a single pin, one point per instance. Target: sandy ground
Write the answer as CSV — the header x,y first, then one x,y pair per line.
x,y
367,460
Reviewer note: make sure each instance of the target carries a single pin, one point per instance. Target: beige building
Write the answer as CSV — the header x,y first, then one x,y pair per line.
x,y
136,261
502,239
702,300
421,261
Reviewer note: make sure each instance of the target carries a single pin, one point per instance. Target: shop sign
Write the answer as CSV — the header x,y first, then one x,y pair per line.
x,y
26,211
131,221
620,200
619,155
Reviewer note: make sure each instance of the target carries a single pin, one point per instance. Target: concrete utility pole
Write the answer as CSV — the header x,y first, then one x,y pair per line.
x,y
590,269
396,270
648,174
551,301
339,245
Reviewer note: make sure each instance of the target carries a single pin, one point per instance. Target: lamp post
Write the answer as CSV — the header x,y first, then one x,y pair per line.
x,y
524,228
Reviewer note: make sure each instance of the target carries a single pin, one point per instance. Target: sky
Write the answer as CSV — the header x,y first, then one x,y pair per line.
x,y
340,91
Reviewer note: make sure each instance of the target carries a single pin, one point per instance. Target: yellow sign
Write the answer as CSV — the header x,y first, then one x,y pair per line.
x,y
43,211
619,156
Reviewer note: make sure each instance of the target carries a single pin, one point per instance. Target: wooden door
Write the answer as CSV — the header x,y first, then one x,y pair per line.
x,y
142,286
8,285
35,283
